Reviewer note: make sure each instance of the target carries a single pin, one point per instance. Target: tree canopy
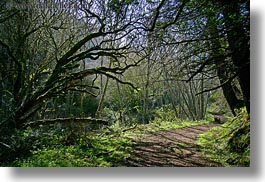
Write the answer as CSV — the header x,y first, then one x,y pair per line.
x,y
105,60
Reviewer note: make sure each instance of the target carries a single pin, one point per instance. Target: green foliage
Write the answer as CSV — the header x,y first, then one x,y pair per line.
x,y
60,147
166,119
75,104
118,5
11,146
62,156
90,151
217,104
160,124
126,105
42,77
229,143
165,113
177,123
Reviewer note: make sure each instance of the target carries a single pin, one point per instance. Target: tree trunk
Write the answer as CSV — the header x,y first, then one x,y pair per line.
x,y
238,39
221,67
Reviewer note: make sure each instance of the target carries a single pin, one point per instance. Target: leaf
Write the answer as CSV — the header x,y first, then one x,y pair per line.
x,y
136,91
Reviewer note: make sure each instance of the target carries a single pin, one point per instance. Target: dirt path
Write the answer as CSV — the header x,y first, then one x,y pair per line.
x,y
174,147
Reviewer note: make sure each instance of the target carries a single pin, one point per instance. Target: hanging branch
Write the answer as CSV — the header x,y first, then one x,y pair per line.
x,y
206,62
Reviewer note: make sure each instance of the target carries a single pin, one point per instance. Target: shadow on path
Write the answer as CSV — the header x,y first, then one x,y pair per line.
x,y
170,148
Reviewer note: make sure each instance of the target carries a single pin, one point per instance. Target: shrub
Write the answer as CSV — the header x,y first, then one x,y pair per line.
x,y
90,151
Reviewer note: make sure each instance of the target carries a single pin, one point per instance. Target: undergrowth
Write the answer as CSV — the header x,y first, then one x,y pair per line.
x,y
104,148
85,151
229,143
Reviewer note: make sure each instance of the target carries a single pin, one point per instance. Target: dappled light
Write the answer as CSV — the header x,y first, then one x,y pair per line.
x,y
111,83
171,148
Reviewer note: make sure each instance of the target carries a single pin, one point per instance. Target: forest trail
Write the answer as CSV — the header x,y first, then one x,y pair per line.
x,y
170,148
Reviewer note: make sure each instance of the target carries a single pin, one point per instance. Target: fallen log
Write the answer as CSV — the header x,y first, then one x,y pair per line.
x,y
66,120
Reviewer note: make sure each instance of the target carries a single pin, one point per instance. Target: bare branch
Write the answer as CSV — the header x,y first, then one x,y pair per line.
x,y
9,16
157,12
181,7
219,86
202,66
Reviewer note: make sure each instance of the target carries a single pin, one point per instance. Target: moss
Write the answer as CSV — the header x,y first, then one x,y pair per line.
x,y
229,143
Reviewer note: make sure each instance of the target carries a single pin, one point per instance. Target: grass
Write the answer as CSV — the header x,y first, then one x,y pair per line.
x,y
86,152
228,144
159,124
107,148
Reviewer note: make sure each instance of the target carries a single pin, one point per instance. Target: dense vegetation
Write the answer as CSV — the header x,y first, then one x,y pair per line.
x,y
81,80
104,148
229,143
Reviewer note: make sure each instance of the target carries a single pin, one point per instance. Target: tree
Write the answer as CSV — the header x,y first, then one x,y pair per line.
x,y
56,50
236,19
216,32
45,59
223,72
